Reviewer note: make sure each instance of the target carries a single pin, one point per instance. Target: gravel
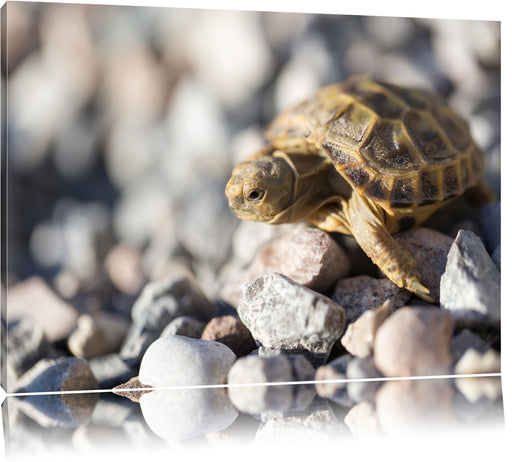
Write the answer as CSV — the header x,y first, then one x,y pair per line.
x,y
124,125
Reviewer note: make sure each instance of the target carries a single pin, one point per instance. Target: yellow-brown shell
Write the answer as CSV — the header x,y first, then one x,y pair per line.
x,y
398,146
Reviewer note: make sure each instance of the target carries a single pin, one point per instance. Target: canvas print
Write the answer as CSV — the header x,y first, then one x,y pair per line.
x,y
247,226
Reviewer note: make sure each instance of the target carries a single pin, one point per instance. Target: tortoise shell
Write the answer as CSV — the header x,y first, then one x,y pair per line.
x,y
399,147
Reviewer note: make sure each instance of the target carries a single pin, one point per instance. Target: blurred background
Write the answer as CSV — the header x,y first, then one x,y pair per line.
x,y
124,124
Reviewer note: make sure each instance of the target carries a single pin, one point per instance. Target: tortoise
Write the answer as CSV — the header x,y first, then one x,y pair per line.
x,y
363,158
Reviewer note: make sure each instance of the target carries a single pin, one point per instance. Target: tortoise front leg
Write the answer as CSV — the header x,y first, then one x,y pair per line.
x,y
395,261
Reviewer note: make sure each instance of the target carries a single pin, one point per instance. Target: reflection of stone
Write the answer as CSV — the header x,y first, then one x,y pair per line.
x,y
66,410
317,424
411,406
133,389
474,362
277,368
186,413
362,420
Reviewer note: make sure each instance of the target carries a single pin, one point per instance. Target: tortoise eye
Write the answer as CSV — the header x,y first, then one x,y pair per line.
x,y
255,195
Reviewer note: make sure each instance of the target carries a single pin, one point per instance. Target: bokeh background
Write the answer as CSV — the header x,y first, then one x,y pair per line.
x,y
124,124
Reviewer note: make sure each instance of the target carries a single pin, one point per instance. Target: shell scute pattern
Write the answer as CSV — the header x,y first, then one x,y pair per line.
x,y
400,147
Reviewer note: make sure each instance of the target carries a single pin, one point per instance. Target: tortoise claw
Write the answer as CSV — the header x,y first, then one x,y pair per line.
x,y
421,291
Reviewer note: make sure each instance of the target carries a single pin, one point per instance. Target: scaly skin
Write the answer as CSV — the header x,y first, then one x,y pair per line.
x,y
357,217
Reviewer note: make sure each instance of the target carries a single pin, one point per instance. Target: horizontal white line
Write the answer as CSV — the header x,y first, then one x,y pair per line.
x,y
256,384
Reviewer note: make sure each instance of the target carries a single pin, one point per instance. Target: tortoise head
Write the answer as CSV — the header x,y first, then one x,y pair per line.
x,y
260,189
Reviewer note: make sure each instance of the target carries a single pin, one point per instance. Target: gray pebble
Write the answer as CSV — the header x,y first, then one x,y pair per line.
x,y
63,374
359,294
489,220
496,256
470,286
159,303
110,370
26,345
187,326
430,249
285,315
464,341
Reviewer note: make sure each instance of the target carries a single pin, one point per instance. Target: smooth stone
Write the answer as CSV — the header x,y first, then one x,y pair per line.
x,y
182,361
187,326
414,341
98,334
359,337
230,331
124,268
33,298
284,315
360,294
430,249
470,286
496,257
63,374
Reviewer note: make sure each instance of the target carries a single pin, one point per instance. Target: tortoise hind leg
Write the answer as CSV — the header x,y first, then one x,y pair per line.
x,y
395,261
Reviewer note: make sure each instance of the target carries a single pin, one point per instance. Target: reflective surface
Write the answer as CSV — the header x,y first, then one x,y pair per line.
x,y
206,418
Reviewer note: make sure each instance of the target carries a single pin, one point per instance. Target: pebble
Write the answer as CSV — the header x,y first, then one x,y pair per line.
x,y
54,316
414,341
430,249
188,326
181,361
362,420
63,374
159,303
412,407
308,256
110,370
124,268
360,335
177,361
470,286
267,370
230,331
465,340
284,315
363,293
98,334
496,257
489,220
26,344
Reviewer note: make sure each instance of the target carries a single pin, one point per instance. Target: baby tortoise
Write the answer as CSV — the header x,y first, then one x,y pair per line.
x,y
362,158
